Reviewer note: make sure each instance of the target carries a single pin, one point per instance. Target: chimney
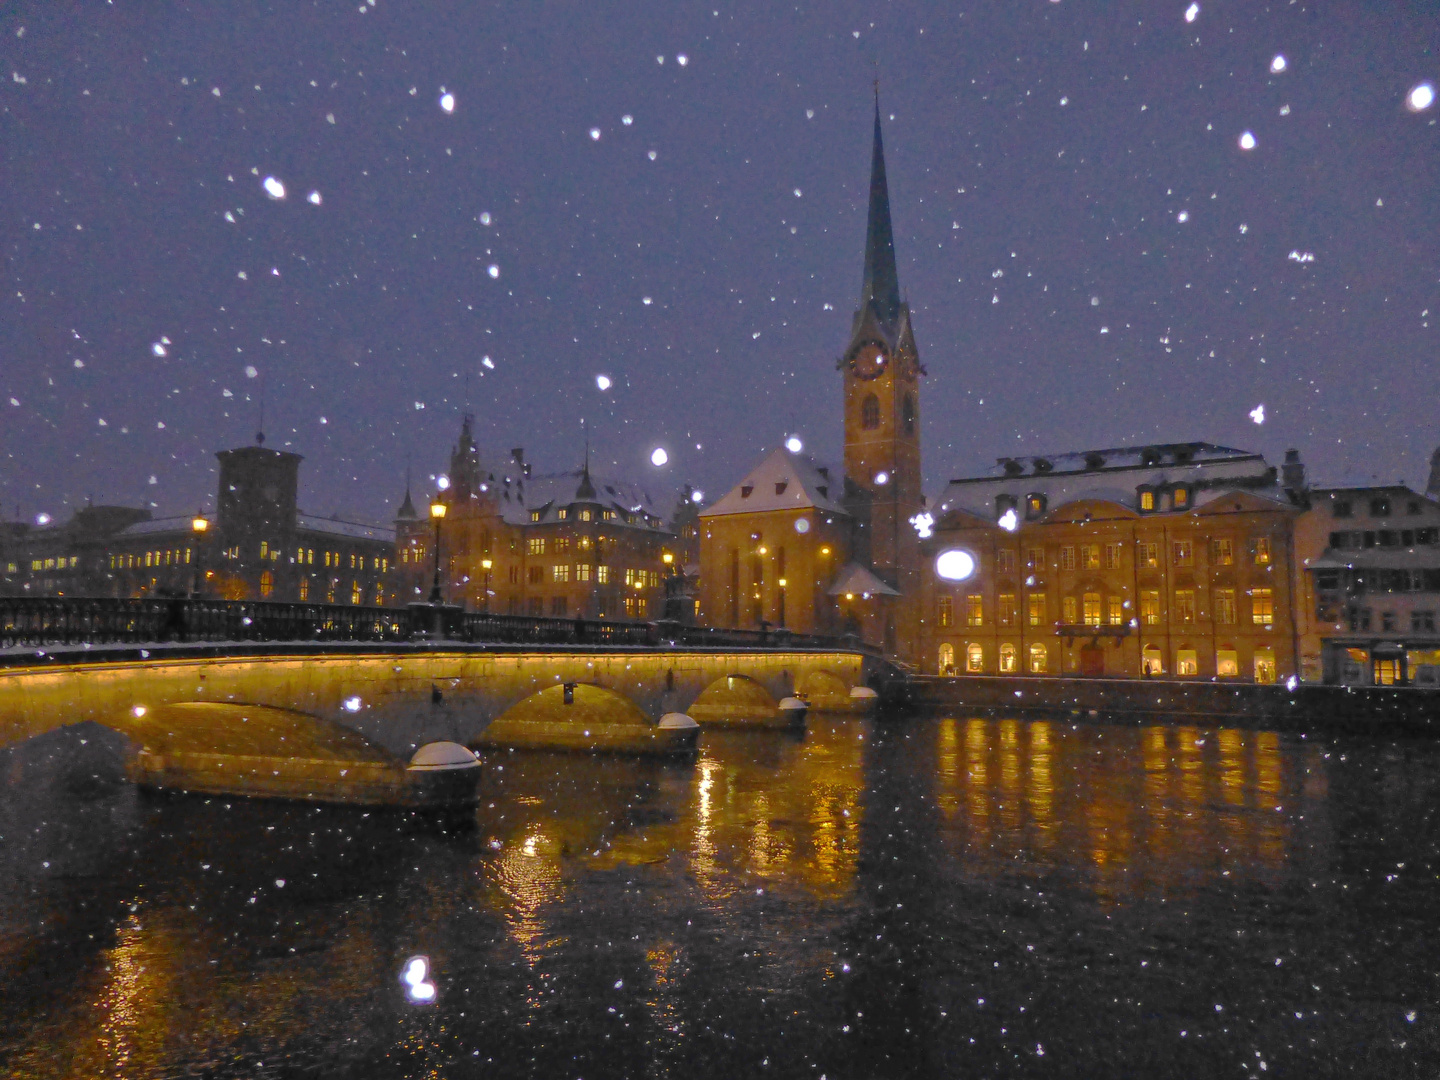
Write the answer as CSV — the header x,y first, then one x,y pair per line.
x,y
1292,474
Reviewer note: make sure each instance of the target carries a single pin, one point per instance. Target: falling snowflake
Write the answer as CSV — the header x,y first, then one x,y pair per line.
x,y
658,456
1258,414
447,102
794,445
595,133
1192,12
1278,64
493,270
1420,98
603,382
1183,216
1247,140
627,119
250,371
313,198
274,188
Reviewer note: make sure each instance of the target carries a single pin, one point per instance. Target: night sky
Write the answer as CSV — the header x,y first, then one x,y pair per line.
x,y
673,195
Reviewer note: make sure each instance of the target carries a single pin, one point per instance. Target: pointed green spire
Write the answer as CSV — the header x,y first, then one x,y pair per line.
x,y
881,288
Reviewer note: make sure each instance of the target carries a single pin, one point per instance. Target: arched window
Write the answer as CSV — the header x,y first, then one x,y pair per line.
x,y
1038,659
1007,659
267,583
1151,662
870,412
947,659
907,414
975,658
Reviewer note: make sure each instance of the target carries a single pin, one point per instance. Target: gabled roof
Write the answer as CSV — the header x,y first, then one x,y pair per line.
x,y
548,493
856,579
782,481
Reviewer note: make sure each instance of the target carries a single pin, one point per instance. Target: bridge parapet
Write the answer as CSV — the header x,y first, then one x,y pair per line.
x,y
35,622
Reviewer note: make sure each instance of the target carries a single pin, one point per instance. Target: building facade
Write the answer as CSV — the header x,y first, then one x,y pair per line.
x,y
257,545
1161,561
1371,588
569,545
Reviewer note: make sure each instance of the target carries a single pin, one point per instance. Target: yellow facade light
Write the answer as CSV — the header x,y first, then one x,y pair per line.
x,y
486,564
825,551
667,558
437,510
198,524
782,583
763,550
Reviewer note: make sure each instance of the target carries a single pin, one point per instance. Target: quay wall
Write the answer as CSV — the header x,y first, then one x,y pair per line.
x,y
1306,707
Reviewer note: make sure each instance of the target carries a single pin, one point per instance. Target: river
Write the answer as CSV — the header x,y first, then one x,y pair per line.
x,y
921,897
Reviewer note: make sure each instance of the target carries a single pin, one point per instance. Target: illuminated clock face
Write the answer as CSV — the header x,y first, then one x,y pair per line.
x,y
869,362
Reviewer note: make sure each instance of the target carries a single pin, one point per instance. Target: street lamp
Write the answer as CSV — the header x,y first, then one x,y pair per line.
x,y
486,564
198,526
437,514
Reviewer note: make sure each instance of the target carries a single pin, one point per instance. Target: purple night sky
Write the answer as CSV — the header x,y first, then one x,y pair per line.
x,y
1091,257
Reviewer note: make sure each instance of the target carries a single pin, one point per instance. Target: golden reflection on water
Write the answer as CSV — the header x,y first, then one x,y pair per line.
x,y
1134,810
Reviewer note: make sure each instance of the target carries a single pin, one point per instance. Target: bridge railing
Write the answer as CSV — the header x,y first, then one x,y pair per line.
x,y
50,621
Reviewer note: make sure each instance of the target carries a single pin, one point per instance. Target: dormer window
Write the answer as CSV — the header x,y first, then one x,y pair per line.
x,y
1094,460
780,486
1181,497
1043,465
746,490
534,515
1034,504
1147,500
562,513
1004,503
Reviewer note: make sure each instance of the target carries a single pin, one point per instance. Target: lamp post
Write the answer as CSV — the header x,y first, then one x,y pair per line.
x,y
437,514
486,564
198,527
782,584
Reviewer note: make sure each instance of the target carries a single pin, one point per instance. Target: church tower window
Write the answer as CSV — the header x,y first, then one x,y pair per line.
x,y
870,412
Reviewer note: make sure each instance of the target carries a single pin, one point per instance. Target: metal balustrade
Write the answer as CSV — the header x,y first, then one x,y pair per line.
x,y
31,622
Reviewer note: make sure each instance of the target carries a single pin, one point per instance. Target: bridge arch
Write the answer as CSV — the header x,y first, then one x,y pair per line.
x,y
585,716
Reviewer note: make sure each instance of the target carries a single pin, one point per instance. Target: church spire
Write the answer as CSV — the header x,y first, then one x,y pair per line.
x,y
881,288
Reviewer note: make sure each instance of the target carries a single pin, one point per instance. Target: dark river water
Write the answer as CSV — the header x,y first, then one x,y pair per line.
x,y
926,897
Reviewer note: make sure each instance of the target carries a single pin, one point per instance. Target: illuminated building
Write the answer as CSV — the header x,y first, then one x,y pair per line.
x,y
1171,560
569,545
1371,589
261,546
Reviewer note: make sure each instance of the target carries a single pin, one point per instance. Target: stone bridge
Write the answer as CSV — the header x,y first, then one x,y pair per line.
x,y
398,695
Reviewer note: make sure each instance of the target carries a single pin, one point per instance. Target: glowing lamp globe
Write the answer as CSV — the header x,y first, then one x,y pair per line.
x,y
955,565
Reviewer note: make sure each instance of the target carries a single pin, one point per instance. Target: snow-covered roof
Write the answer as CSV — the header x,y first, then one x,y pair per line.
x,y
858,580
782,481
157,525
350,529
551,492
1114,475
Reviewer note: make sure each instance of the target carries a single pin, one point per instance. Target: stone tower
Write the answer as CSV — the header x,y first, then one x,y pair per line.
x,y
882,372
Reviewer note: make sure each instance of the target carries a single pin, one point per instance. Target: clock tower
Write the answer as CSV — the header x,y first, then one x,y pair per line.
x,y
882,370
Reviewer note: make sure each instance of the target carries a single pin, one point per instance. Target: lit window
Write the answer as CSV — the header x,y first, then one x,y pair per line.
x,y
1262,551
1151,663
562,513
562,545
1181,498
535,516
1262,607
1038,658
946,659
602,575
1225,606
1147,500
1007,659
946,614
584,515
1186,662
1185,605
1117,611
1265,665
560,572
355,595
1035,606
304,588
1150,606
267,584
1227,663
536,545
582,572
1222,551
975,658
974,610
1149,554
264,549
1092,609
1090,556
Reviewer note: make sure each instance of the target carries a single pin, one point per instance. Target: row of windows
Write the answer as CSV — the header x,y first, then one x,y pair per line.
x,y
634,607
584,513
1037,657
1421,622
1370,538
1091,609
1380,506
1147,555
1361,581
55,563
131,560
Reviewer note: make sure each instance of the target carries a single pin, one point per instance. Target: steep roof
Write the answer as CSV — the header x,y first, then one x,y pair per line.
x,y
880,288
782,481
855,579
549,492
